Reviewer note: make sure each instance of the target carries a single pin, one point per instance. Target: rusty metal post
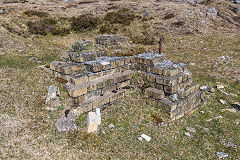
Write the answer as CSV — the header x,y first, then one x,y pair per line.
x,y
160,45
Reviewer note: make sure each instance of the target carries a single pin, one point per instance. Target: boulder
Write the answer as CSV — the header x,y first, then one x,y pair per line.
x,y
67,122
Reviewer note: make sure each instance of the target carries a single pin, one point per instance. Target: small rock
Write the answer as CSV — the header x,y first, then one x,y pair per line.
x,y
211,11
217,117
52,99
192,64
135,8
1,11
190,129
221,155
205,129
222,101
21,51
236,105
207,88
66,122
161,124
140,138
50,109
188,134
220,86
146,12
147,138
111,126
202,112
230,144
233,110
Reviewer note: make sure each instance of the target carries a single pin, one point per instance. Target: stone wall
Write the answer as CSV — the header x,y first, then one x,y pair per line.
x,y
96,80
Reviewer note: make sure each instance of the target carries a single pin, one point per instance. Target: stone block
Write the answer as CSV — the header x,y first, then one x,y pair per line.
x,y
154,93
92,123
158,71
76,90
158,86
79,99
80,79
170,90
167,104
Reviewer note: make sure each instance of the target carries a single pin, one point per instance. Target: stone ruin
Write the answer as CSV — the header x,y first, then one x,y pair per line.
x,y
95,80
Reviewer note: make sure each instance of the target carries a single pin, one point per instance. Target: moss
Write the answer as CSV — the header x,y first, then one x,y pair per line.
x,y
31,13
85,23
123,16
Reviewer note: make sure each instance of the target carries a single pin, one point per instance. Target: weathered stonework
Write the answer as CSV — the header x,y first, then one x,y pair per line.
x,y
96,80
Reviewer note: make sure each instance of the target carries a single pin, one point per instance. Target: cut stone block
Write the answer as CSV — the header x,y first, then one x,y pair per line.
x,y
76,90
149,58
154,93
92,123
80,79
167,104
66,67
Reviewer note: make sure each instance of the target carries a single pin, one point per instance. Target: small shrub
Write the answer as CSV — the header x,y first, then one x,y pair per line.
x,y
123,16
46,26
31,13
145,38
85,23
168,16
178,24
107,28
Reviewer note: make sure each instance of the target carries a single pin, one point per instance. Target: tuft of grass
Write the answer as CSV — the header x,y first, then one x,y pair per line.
x,y
123,16
85,23
31,13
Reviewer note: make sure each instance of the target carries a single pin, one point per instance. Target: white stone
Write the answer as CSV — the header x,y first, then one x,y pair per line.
x,y
98,113
188,134
53,92
190,129
147,138
140,138
221,155
222,101
111,125
91,122
233,110
220,86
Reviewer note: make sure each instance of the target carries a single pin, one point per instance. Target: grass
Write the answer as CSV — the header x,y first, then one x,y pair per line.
x,y
27,130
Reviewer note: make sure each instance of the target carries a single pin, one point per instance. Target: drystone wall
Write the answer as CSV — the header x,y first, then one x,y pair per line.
x,y
96,80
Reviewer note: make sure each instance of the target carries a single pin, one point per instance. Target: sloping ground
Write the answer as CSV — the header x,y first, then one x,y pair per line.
x,y
27,129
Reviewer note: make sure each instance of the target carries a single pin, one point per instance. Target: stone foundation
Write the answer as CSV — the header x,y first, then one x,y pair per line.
x,y
96,80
